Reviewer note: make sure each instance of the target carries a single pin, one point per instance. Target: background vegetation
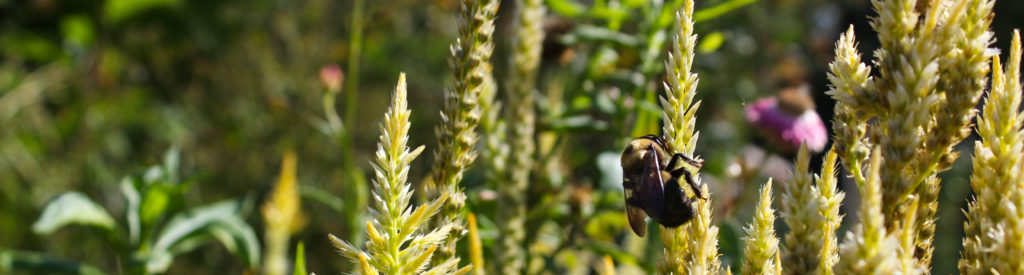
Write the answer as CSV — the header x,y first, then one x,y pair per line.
x,y
94,94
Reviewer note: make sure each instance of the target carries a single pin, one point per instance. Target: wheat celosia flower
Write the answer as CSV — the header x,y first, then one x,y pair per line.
x,y
812,213
397,241
470,61
994,231
761,248
526,49
282,217
800,204
931,67
693,247
852,88
868,248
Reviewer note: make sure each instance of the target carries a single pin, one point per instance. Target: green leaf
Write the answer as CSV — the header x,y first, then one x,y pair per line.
x,y
720,9
132,200
72,208
154,203
711,42
565,8
38,263
172,160
300,260
319,195
219,220
78,30
117,10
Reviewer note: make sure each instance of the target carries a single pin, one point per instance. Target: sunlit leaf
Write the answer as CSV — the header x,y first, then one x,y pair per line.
x,y
720,9
220,220
711,42
72,208
567,8
154,203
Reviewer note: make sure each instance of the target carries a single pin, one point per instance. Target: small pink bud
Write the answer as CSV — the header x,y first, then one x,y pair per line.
x,y
332,77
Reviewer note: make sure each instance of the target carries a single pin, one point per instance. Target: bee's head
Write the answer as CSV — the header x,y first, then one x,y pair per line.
x,y
634,154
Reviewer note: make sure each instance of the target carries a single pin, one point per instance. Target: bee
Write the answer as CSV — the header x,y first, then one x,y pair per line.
x,y
651,183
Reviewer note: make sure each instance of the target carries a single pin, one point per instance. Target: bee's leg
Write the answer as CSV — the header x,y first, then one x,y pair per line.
x,y
689,180
678,156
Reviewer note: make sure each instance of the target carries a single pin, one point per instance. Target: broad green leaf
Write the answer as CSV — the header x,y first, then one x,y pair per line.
x,y
219,220
38,263
239,239
300,260
72,208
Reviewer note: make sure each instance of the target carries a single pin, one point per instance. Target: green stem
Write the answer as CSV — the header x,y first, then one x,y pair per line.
x,y
355,50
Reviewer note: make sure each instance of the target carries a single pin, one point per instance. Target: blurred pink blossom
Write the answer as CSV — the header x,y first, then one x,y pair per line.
x,y
332,77
787,127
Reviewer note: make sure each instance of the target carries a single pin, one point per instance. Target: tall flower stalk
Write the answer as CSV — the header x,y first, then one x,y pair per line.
x,y
931,69
526,49
398,242
994,241
812,214
761,251
282,216
693,247
869,248
471,55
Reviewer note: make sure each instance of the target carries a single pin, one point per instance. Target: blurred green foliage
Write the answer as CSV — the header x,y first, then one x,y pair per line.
x,y
91,91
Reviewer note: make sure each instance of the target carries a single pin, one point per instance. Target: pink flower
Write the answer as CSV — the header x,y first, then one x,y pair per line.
x,y
787,126
332,77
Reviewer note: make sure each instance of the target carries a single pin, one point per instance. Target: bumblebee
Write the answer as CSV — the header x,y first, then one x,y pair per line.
x,y
651,182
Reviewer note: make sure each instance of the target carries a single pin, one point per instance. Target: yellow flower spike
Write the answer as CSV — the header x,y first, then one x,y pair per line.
x,y
693,247
282,217
994,231
761,244
397,243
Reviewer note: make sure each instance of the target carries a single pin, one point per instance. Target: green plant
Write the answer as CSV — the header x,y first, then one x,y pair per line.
x,y
693,247
994,238
470,62
761,245
398,239
154,229
282,217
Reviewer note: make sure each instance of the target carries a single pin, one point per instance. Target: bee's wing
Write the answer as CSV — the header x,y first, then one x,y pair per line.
x,y
651,187
636,217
